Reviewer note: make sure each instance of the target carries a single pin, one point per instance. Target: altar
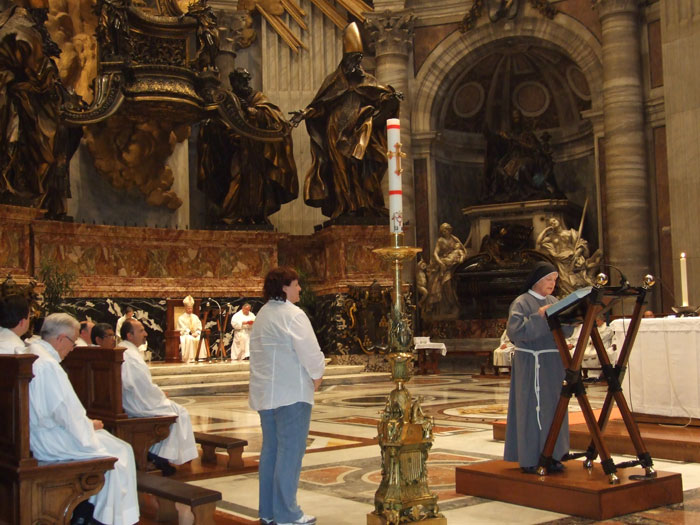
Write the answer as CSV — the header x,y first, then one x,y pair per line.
x,y
663,374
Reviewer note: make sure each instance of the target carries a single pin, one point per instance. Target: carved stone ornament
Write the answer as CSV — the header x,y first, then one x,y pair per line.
x,y
502,9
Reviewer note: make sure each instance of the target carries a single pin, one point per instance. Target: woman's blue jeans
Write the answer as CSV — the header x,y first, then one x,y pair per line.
x,y
284,443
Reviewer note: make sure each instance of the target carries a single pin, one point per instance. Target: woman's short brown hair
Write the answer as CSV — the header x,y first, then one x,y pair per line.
x,y
275,280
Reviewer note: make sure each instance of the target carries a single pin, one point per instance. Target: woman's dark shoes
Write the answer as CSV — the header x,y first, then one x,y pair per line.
x,y
557,466
529,470
162,464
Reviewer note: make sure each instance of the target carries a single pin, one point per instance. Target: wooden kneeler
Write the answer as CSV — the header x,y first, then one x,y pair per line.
x,y
595,301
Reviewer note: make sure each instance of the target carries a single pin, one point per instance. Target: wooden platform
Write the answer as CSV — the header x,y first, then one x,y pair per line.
x,y
576,491
676,442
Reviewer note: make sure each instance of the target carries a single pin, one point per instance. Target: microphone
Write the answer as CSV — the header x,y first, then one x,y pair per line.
x,y
624,282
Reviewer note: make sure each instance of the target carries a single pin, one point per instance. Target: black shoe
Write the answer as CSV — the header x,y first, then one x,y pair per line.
x,y
557,466
529,470
82,515
161,464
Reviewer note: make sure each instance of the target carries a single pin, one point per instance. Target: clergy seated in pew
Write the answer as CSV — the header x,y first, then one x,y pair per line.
x,y
32,491
14,323
96,376
103,335
142,398
60,429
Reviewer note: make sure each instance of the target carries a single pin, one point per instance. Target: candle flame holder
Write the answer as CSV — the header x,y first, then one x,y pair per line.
x,y
405,434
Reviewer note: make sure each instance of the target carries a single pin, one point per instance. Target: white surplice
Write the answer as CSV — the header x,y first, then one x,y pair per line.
x,y
190,329
240,348
10,343
142,398
60,430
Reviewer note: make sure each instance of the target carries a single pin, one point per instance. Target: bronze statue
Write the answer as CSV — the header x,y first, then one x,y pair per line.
x,y
518,165
346,122
34,147
257,177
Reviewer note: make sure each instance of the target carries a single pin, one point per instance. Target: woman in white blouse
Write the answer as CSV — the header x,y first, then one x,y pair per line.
x,y
286,367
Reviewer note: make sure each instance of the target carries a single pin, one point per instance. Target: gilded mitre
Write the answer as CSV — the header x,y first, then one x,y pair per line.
x,y
188,301
352,41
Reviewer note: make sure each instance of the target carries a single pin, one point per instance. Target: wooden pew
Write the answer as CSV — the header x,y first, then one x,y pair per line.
x,y
201,501
96,376
31,491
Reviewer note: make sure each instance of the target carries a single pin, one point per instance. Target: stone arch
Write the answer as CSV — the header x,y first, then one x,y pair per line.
x,y
460,51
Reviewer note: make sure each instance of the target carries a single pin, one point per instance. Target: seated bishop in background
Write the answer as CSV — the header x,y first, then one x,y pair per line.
x,y
190,329
59,428
14,322
142,398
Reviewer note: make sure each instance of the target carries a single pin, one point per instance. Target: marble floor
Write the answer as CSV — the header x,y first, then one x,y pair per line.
x,y
341,468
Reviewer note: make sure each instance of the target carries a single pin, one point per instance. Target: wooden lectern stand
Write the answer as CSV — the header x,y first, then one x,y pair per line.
x,y
593,302
593,492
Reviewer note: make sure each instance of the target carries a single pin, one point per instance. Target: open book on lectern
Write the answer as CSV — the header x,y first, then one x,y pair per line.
x,y
569,306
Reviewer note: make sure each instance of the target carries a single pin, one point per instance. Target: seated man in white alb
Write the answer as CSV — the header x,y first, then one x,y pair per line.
x,y
103,335
503,355
60,430
190,329
85,334
590,356
14,322
242,323
142,398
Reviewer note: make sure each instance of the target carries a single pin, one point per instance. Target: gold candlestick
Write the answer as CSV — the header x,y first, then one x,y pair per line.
x,y
405,435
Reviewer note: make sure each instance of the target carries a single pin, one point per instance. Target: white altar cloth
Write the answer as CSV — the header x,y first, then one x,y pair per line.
x,y
663,374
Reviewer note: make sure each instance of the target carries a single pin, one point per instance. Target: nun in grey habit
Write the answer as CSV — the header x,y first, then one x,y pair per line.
x,y
536,375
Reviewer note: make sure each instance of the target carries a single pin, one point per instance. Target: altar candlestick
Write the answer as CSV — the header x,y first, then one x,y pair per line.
x,y
393,141
684,280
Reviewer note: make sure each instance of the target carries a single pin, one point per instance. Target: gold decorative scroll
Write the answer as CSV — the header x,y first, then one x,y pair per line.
x,y
281,28
357,8
273,12
328,10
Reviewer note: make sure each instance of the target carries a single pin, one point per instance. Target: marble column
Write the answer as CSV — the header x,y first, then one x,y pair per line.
x,y
680,37
391,33
626,178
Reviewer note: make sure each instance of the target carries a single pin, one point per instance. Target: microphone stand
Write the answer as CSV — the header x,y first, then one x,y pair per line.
x,y
222,358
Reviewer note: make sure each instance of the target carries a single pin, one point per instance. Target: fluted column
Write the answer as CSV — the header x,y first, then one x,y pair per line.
x,y
626,184
680,34
392,35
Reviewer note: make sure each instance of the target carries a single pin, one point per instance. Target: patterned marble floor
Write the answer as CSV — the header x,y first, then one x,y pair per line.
x,y
341,467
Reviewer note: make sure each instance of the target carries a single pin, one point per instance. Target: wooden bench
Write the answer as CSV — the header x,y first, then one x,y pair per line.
x,y
201,501
32,491
210,442
96,376
474,347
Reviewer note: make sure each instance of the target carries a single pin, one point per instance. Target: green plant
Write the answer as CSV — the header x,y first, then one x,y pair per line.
x,y
308,300
58,283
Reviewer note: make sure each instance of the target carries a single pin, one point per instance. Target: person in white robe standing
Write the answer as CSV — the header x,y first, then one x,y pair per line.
x,y
128,314
142,398
242,323
60,430
14,322
190,329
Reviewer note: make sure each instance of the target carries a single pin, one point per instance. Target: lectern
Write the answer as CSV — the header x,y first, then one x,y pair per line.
x,y
591,302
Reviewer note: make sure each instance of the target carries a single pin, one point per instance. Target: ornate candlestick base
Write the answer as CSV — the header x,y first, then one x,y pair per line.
x,y
405,435
685,311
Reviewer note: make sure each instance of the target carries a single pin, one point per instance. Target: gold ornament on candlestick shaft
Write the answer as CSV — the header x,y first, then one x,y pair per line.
x,y
405,434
